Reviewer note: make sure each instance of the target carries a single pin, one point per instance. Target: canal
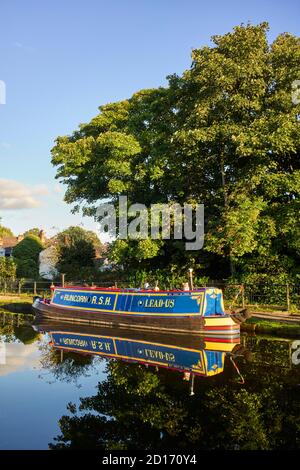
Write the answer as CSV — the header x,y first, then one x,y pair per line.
x,y
67,386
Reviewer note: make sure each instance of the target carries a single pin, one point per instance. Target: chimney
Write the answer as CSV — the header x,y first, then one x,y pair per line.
x,y
42,236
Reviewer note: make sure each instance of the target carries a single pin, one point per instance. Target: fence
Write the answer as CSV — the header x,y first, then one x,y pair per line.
x,y
275,296
21,286
43,288
263,295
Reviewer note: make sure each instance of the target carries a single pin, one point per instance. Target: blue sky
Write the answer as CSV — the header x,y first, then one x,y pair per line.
x,y
60,60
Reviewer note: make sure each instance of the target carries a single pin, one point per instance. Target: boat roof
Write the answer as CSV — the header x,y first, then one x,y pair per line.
x,y
131,289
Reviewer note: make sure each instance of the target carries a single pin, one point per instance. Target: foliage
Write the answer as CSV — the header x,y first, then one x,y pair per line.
x,y
8,269
5,231
225,134
165,279
76,253
68,368
33,231
26,254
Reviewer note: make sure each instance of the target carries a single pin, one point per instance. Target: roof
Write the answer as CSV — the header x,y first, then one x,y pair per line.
x,y
9,242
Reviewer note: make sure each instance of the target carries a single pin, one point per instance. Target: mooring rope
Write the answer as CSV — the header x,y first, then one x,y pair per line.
x,y
242,381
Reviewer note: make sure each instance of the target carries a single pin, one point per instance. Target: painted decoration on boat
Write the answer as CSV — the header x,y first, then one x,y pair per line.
x,y
206,301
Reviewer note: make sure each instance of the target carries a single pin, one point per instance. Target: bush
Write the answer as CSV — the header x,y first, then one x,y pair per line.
x,y
26,255
8,269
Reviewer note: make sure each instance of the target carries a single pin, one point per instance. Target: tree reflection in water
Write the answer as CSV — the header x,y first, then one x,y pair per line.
x,y
141,408
69,367
17,327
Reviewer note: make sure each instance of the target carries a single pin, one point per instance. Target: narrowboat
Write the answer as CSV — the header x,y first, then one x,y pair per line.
x,y
199,311
183,353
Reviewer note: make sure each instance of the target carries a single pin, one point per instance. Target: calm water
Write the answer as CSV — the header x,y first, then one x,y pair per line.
x,y
248,396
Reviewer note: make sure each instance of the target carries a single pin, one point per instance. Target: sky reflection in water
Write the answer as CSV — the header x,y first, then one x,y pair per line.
x,y
151,407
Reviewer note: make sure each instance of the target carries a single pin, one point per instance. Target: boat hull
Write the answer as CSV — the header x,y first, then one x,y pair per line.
x,y
218,326
188,341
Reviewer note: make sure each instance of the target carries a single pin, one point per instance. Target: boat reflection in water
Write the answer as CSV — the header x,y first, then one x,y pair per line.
x,y
190,355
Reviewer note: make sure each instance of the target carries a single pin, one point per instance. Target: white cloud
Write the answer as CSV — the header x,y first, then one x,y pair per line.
x,y
15,195
19,357
23,47
5,145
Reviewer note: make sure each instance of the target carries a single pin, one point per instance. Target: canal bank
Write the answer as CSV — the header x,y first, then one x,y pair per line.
x,y
16,303
273,324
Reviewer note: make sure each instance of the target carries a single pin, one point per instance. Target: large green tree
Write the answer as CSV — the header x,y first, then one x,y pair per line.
x,y
225,133
26,254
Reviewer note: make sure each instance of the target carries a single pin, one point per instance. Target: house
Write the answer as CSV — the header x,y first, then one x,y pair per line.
x,y
102,262
48,259
7,245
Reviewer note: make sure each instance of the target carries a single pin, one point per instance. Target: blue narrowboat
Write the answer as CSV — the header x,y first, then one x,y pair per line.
x,y
196,311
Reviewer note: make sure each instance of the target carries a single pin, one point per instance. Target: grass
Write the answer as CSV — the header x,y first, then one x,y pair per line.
x,y
267,308
272,327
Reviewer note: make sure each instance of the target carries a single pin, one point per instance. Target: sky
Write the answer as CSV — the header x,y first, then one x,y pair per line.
x,y
61,60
